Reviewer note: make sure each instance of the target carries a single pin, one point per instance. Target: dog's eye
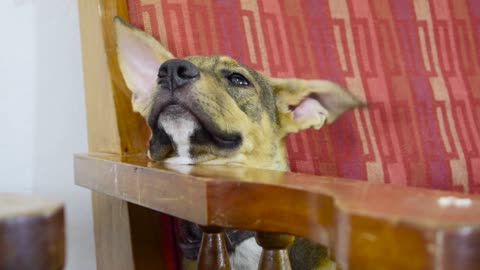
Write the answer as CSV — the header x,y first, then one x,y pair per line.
x,y
238,79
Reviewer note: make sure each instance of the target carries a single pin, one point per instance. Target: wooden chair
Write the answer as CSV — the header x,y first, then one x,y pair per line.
x,y
365,225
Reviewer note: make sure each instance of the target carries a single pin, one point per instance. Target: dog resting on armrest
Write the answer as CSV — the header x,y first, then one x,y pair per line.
x,y
213,110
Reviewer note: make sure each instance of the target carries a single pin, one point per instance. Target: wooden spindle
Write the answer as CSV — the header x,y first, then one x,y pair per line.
x,y
213,250
274,254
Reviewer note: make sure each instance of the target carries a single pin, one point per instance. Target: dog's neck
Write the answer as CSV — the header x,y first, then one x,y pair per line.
x,y
276,160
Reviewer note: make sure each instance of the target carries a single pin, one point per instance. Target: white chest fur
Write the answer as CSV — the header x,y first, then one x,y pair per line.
x,y
246,255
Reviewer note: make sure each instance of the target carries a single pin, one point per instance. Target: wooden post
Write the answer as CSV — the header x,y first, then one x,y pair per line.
x,y
274,254
213,251
126,236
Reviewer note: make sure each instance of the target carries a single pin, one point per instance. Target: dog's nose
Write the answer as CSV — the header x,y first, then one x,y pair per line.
x,y
177,73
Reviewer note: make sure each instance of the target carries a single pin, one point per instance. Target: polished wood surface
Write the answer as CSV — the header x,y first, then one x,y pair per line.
x,y
213,250
366,225
274,254
32,233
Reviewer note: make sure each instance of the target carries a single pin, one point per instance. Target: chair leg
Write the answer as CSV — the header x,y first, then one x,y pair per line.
x,y
213,251
274,254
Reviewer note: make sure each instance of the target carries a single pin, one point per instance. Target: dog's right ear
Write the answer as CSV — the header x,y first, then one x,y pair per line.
x,y
139,56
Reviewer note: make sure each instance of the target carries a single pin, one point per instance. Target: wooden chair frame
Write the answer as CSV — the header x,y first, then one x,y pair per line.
x,y
366,226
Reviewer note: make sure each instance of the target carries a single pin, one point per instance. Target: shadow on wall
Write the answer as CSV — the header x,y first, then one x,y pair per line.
x,y
59,128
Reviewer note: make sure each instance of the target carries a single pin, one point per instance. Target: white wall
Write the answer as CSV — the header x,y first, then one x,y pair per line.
x,y
42,112
17,72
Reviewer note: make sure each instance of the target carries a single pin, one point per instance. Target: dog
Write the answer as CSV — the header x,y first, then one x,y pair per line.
x,y
213,110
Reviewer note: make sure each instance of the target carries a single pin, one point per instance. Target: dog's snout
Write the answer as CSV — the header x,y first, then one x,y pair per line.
x,y
177,73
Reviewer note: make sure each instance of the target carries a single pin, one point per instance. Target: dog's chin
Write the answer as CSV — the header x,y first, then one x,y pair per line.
x,y
206,132
176,114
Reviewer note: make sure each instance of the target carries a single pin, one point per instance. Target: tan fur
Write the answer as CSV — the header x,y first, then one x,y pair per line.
x,y
263,144
292,91
264,113
255,150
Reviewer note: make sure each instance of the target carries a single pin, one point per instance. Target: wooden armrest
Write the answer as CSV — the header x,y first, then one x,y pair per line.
x,y
358,220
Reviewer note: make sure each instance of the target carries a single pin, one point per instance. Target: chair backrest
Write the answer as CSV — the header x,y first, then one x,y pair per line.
x,y
415,62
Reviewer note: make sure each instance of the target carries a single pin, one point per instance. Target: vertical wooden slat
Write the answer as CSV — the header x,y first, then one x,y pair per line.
x,y
112,125
126,236
112,233
131,126
110,216
103,134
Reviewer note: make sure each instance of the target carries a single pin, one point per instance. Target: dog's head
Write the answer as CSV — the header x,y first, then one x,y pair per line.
x,y
213,109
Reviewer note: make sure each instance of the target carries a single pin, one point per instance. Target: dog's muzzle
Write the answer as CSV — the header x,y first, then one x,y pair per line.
x,y
176,73
177,99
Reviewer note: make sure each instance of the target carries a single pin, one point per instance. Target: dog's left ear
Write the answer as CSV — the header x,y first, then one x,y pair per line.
x,y
139,57
303,104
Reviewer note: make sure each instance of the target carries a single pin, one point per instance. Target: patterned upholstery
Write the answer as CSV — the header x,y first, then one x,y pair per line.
x,y
416,62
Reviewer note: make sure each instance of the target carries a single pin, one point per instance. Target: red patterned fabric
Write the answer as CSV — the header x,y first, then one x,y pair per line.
x,y
417,63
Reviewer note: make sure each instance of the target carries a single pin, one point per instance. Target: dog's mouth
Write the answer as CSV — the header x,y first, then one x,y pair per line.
x,y
207,130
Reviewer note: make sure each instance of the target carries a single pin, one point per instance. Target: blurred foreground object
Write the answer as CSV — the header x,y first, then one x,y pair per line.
x,y
32,233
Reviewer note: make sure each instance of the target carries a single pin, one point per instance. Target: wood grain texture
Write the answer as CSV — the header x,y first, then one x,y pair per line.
x,y
32,233
112,125
366,225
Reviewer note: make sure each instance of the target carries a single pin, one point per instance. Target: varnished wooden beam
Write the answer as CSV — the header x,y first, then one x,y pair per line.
x,y
366,226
